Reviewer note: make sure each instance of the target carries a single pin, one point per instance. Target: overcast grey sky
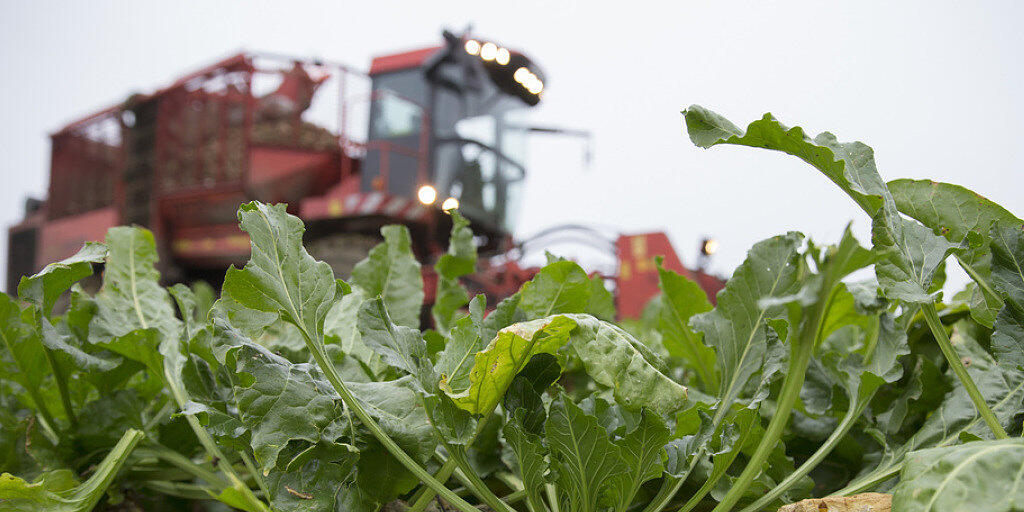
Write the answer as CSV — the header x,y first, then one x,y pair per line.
x,y
934,87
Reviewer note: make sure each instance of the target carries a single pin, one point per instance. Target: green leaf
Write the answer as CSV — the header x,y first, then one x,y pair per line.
x,y
529,452
964,218
953,211
506,313
913,251
913,256
66,350
187,305
495,366
392,272
131,298
341,327
1008,280
396,406
1008,339
642,451
44,287
460,260
983,476
399,346
737,328
281,277
320,478
601,303
683,299
523,400
1008,263
616,360
851,166
27,363
280,402
455,361
560,287
56,492
957,417
584,459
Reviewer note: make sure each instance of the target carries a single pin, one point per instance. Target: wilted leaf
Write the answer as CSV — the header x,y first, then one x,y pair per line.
x,y
495,366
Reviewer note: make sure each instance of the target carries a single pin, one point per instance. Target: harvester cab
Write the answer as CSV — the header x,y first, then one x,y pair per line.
x,y
458,108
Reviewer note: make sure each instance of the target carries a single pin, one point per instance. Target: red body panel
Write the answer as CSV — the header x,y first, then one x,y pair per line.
x,y
61,238
398,61
638,280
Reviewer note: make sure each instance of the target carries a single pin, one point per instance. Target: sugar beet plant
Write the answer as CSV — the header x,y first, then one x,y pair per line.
x,y
297,391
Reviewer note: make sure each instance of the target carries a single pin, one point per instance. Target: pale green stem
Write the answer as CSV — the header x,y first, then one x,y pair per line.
x,y
552,492
479,488
942,338
852,414
670,485
424,495
184,463
533,505
62,387
982,282
870,480
515,496
800,358
155,420
389,444
857,406
90,491
211,447
421,500
256,475
787,399
179,490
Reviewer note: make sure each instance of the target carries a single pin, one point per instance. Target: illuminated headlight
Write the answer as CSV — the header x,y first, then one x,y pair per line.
x,y
710,246
489,51
521,75
503,56
450,204
535,86
427,194
472,47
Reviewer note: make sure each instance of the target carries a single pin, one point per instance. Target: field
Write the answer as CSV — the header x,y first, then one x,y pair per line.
x,y
292,390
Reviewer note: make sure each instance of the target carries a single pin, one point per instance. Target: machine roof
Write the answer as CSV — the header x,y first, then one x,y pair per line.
x,y
402,60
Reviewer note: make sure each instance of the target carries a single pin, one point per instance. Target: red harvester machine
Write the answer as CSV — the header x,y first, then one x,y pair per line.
x,y
436,128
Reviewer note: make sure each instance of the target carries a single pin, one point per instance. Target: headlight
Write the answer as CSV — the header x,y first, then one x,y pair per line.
x,y
503,56
450,204
472,47
489,51
427,194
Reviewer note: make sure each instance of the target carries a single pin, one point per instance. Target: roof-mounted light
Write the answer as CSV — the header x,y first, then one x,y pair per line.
x,y
472,47
489,51
503,56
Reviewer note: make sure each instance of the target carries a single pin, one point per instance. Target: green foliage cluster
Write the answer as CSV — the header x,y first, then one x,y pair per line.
x,y
295,391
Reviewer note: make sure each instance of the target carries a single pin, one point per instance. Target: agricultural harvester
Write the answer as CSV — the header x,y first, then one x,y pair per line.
x,y
437,128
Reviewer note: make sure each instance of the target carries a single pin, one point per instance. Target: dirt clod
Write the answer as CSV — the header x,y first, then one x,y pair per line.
x,y
867,502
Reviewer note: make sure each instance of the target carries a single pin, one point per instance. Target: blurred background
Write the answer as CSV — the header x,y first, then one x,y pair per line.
x,y
933,87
